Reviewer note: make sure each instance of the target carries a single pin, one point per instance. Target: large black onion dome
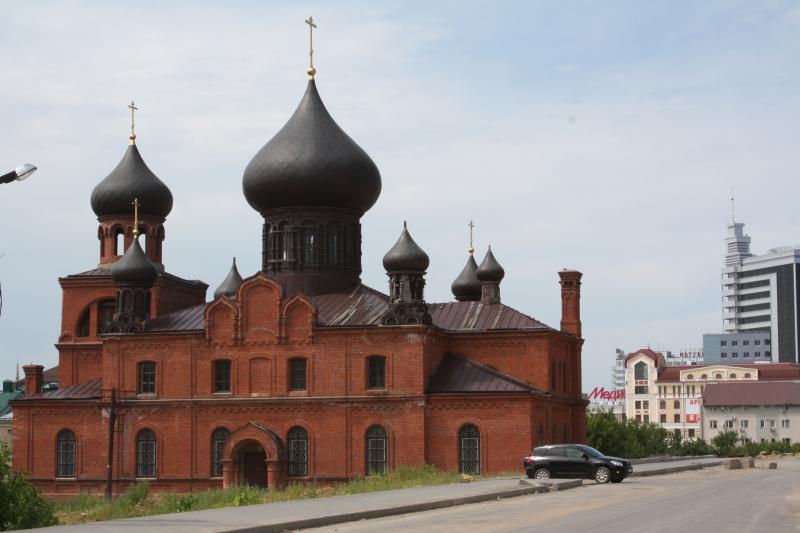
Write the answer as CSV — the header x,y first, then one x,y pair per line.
x,y
131,179
406,255
230,284
134,267
490,269
311,162
467,286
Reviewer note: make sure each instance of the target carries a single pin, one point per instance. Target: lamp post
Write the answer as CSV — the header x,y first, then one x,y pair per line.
x,y
20,173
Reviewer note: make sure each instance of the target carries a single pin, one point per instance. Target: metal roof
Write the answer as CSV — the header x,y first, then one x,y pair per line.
x,y
81,391
753,393
766,371
189,319
458,374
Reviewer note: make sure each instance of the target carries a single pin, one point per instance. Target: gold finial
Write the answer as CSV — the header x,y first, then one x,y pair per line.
x,y
471,247
136,205
133,109
311,26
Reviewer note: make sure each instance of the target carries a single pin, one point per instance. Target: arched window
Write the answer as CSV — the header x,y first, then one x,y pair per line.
x,y
733,376
334,244
105,314
704,377
119,242
298,368
83,324
640,371
297,442
65,453
747,376
146,453
469,450
376,447
309,242
218,439
690,376
718,376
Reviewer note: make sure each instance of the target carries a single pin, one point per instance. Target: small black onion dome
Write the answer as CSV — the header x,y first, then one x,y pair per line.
x,y
230,284
467,286
134,267
311,162
406,255
131,179
490,269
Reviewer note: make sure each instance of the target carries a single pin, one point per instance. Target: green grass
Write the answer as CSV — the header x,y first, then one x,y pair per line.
x,y
140,501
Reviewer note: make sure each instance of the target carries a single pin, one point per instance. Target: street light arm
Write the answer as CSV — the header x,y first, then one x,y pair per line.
x,y
8,178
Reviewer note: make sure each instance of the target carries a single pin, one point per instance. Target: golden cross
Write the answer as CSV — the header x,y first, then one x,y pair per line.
x,y
471,247
311,26
133,109
136,205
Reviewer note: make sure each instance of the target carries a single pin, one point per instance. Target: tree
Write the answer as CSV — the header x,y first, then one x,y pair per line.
x,y
22,507
724,443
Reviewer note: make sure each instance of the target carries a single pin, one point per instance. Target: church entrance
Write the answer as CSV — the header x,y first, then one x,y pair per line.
x,y
253,465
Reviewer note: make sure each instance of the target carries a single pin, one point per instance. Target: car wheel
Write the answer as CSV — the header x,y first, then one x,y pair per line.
x,y
542,473
602,474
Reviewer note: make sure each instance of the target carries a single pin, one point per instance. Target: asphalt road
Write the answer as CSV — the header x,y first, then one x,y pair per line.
x,y
715,500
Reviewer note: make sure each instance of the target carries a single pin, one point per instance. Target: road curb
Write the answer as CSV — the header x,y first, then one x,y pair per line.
x,y
674,469
329,520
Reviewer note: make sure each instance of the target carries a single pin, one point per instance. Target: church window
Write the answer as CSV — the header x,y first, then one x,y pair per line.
x,y
147,377
83,324
376,450
146,453
376,372
222,376
469,450
309,241
65,453
334,244
105,314
297,441
297,373
119,242
218,439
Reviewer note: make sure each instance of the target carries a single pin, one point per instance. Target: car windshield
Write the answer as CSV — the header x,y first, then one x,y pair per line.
x,y
591,451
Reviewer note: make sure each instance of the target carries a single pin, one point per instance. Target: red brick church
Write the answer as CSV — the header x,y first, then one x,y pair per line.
x,y
299,371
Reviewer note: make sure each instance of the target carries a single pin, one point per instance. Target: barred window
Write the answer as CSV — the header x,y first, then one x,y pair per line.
x,y
65,453
376,372
297,441
146,453
376,450
147,377
222,376
469,450
297,373
218,439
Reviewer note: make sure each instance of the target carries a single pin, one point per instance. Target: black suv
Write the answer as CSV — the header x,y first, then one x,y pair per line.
x,y
575,461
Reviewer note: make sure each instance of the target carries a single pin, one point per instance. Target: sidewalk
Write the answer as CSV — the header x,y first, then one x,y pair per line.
x,y
300,514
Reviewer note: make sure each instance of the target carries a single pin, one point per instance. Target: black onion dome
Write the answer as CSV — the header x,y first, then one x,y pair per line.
x,y
467,286
406,255
134,267
230,284
311,161
490,269
131,179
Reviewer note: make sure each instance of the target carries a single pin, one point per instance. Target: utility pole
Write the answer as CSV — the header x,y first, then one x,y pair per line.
x,y
112,419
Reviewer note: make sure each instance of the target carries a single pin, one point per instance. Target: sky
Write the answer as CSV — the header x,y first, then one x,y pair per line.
x,y
600,136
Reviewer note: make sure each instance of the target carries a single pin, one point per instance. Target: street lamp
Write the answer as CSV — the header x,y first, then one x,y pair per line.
x,y
20,173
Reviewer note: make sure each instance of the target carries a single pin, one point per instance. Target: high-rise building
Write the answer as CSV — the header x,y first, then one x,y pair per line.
x,y
760,295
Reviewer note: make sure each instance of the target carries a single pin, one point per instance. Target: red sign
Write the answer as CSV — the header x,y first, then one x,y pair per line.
x,y
603,394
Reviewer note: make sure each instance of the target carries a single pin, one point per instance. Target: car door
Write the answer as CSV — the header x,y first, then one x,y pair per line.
x,y
576,463
557,460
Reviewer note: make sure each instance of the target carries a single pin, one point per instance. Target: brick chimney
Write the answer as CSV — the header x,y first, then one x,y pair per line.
x,y
34,376
570,301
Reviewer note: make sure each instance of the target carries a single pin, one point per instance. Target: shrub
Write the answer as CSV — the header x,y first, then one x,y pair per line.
x,y
725,443
22,507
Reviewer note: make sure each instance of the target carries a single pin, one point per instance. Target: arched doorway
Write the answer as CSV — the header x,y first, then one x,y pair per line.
x,y
254,455
252,462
